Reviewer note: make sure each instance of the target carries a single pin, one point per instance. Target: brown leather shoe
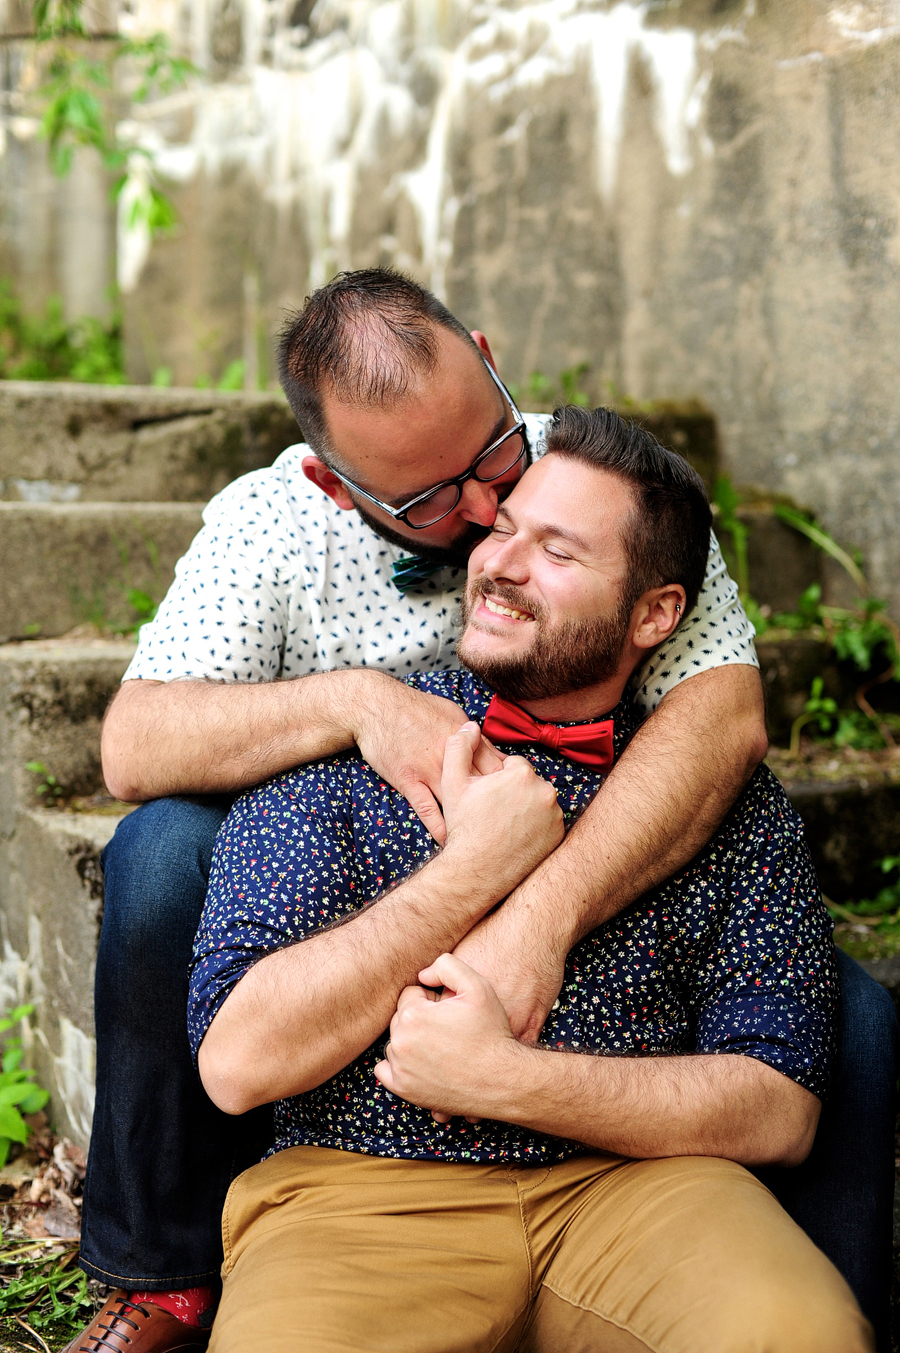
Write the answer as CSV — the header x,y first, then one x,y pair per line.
x,y
123,1327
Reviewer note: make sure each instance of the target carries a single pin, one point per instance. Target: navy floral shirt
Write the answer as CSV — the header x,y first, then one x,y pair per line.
x,y
733,954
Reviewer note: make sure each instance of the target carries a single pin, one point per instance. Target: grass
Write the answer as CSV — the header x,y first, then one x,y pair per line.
x,y
45,1299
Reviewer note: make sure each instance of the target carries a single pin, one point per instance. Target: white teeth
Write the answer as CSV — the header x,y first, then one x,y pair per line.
x,y
505,610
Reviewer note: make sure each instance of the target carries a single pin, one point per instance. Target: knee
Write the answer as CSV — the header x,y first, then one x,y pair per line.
x,y
164,836
156,869
820,1321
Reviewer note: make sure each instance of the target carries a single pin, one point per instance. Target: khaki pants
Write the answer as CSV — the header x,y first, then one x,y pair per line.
x,y
330,1252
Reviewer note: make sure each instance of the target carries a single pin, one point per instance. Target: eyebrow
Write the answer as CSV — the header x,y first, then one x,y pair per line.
x,y
550,529
496,431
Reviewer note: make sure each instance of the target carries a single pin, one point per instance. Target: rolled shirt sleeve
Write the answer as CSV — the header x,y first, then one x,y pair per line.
x,y
767,986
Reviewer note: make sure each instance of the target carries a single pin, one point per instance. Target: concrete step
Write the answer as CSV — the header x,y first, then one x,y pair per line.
x,y
51,905
52,697
788,665
850,826
64,564
781,562
850,805
53,694
790,662
132,443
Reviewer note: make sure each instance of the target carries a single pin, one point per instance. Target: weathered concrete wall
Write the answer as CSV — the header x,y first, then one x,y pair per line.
x,y
699,197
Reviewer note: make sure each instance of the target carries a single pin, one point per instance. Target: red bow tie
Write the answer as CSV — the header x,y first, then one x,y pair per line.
x,y
590,744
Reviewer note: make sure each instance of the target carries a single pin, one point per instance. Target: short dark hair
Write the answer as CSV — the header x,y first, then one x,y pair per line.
x,y
666,538
365,334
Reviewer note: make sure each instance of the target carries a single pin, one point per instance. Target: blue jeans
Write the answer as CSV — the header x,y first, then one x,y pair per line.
x,y
162,1156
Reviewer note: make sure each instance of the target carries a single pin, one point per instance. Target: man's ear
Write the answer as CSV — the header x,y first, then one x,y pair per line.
x,y
656,615
317,471
484,346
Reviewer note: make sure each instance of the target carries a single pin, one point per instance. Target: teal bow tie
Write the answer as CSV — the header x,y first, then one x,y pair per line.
x,y
408,573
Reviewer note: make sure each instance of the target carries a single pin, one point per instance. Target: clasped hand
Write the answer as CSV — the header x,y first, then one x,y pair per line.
x,y
452,1054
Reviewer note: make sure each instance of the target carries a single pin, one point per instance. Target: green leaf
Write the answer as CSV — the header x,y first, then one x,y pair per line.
x,y
725,496
233,376
35,1100
142,603
14,1093
12,1058
570,380
12,1124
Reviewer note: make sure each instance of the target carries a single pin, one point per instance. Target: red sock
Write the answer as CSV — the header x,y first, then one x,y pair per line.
x,y
187,1305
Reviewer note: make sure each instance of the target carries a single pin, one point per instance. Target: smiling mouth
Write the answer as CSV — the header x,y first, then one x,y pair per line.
x,y
496,608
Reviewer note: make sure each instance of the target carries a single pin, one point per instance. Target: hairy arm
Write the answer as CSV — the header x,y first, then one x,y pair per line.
x,y
202,737
458,1055
302,1013
666,795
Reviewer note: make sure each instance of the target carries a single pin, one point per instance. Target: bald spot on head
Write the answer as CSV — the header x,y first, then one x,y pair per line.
x,y
406,435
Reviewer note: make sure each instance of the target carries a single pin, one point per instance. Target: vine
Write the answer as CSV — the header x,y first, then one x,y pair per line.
x,y
76,101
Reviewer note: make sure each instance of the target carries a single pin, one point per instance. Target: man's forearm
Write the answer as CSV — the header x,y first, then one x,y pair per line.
x,y
725,1105
303,1013
458,1056
184,737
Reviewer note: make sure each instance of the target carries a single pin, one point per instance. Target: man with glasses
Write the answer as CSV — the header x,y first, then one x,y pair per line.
x,y
505,453
312,585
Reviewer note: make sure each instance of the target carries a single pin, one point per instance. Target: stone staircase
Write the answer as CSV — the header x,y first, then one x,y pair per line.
x,y
101,491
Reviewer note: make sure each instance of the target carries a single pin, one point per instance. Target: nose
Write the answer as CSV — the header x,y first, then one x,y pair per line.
x,y
478,502
505,560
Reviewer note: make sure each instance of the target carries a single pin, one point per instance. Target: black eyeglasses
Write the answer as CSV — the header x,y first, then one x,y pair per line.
x,y
436,503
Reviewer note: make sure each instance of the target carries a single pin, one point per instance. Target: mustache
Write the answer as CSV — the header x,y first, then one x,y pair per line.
x,y
508,595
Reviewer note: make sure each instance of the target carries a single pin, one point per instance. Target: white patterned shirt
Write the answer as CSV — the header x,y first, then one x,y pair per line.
x,y
280,582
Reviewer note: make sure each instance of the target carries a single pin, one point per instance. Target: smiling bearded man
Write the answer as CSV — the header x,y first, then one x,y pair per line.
x,y
454,1190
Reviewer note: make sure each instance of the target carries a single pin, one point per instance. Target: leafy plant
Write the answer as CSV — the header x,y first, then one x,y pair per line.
x,y
727,500
232,377
542,393
49,1288
886,902
144,605
861,636
49,788
570,380
819,708
75,98
48,348
864,636
19,1094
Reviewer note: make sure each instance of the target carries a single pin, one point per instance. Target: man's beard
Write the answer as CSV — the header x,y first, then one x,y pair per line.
x,y
562,658
455,555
